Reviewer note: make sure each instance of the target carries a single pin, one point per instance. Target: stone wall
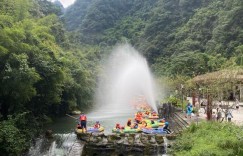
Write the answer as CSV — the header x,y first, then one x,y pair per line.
x,y
122,144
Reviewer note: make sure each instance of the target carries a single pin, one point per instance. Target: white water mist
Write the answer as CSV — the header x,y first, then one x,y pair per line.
x,y
126,76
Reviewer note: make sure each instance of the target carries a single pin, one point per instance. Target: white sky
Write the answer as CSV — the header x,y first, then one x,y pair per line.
x,y
66,3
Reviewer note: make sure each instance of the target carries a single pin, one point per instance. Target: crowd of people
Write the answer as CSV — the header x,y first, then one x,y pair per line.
x,y
220,110
145,117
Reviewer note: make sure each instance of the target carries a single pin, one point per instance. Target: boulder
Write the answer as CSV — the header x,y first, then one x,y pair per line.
x,y
49,134
152,140
76,112
171,136
159,139
113,138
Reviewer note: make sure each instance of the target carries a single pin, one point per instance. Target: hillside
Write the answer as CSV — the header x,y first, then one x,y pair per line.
x,y
185,37
42,75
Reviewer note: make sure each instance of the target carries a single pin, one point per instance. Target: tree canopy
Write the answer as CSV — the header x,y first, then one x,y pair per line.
x,y
165,31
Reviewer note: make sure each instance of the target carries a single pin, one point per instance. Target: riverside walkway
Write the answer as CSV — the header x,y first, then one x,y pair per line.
x,y
178,121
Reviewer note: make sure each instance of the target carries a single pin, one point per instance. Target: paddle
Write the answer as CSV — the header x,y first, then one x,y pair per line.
x,y
71,116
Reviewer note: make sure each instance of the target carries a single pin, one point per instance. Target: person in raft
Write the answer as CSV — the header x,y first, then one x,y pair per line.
x,y
138,117
79,126
135,125
97,125
166,128
154,113
118,126
129,122
83,121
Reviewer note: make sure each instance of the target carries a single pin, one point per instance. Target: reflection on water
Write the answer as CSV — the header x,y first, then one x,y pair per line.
x,y
108,120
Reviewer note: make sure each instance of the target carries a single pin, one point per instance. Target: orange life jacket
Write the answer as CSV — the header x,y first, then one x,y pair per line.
x,y
138,117
82,118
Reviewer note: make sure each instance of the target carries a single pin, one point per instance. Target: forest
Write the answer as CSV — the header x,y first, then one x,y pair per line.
x,y
50,56
178,37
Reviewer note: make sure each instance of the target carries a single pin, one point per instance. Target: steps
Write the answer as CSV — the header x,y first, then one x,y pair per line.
x,y
177,123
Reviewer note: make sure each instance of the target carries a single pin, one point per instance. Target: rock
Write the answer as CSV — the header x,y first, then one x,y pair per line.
x,y
169,146
49,134
130,140
171,136
76,112
84,136
144,139
137,140
113,138
152,140
159,139
125,141
93,139
104,141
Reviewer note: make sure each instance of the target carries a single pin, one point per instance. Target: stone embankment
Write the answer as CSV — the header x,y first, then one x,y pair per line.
x,y
136,143
123,144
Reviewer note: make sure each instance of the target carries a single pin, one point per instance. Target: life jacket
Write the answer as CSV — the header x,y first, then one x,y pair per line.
x,y
129,123
97,126
138,117
118,126
82,118
78,126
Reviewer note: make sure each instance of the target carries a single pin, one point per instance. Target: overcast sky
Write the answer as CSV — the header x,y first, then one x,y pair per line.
x,y
66,3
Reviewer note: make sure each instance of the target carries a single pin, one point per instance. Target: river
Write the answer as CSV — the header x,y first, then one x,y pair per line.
x,y
65,142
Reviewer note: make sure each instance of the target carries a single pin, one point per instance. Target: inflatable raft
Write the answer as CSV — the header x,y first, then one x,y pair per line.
x,y
155,124
153,131
126,130
90,130
153,117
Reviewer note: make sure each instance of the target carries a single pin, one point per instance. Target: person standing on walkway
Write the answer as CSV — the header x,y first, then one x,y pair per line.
x,y
83,122
189,109
237,106
229,116
219,114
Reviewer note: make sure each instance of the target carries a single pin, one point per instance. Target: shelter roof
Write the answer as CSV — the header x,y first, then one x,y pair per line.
x,y
221,76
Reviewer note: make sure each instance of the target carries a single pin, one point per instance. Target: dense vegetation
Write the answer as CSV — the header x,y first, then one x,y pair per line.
x,y
42,74
178,37
208,139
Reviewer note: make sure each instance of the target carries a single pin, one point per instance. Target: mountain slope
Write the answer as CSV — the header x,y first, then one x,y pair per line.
x,y
166,30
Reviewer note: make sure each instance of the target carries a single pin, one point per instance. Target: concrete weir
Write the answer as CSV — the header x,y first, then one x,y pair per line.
x,y
122,144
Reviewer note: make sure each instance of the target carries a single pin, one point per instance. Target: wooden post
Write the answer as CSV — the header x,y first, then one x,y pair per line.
x,y
209,107
193,98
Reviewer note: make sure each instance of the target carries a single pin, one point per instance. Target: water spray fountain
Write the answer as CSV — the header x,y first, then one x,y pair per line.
x,y
126,76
